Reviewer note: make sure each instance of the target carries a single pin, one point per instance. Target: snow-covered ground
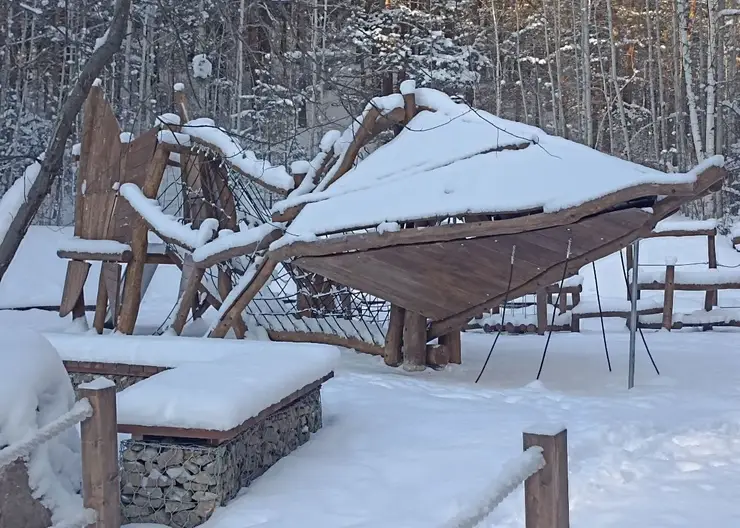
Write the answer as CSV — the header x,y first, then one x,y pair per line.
x,y
412,450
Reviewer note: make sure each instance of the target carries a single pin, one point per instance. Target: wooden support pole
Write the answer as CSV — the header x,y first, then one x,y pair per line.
x,y
541,312
414,342
101,305
712,296
394,337
453,343
546,492
670,286
575,323
437,356
101,488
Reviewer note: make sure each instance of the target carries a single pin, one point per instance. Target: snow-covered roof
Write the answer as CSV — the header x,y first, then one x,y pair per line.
x,y
456,160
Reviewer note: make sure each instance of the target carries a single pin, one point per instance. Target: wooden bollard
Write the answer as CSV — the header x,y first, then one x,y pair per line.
x,y
101,488
668,292
546,492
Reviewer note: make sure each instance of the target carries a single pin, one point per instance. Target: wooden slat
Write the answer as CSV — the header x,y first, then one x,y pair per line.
x,y
681,233
101,305
124,256
235,310
74,284
192,277
221,436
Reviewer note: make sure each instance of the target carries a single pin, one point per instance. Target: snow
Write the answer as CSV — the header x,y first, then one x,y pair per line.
x,y
102,40
202,67
546,428
329,139
591,306
300,167
388,227
179,87
662,455
126,137
698,317
670,260
451,163
76,149
229,240
516,318
167,119
14,198
98,82
706,276
408,87
34,391
173,138
682,223
222,395
105,247
205,131
98,383
167,225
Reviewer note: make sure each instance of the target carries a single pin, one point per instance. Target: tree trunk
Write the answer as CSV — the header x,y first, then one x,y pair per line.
x,y
52,163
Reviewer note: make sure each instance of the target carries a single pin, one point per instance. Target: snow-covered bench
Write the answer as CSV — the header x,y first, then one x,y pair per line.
x,y
202,431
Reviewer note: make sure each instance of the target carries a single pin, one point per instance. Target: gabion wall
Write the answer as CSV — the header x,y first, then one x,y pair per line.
x,y
180,484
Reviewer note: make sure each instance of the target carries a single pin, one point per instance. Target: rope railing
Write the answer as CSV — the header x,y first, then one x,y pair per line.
x,y
513,475
79,412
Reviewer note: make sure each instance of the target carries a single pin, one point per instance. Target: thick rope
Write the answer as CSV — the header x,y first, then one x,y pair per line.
x,y
503,316
79,412
557,303
512,475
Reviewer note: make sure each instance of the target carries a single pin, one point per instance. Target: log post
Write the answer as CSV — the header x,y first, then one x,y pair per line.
x,y
670,286
453,343
575,323
394,337
414,342
541,312
546,492
101,305
101,489
712,296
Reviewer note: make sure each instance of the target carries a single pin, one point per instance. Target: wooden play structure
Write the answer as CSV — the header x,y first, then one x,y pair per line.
x,y
390,250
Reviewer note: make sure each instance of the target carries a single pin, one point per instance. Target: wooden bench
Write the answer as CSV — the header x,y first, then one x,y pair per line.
x,y
202,431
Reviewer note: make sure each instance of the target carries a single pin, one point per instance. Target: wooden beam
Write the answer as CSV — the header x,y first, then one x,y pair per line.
x,y
414,342
224,287
326,339
186,303
74,285
124,256
101,305
239,251
111,273
101,487
681,233
437,356
546,492
712,297
394,337
233,312
139,244
541,311
670,274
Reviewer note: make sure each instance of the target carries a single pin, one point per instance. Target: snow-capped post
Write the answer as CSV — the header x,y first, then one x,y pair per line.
x,y
670,286
546,492
51,164
101,488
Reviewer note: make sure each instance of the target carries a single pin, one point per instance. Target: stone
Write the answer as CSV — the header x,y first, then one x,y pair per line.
x,y
176,506
170,457
130,455
132,511
148,454
175,472
178,495
152,493
205,509
194,486
204,478
134,467
18,508
192,468
204,496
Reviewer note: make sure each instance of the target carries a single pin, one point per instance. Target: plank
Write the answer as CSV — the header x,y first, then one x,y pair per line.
x,y
74,283
124,256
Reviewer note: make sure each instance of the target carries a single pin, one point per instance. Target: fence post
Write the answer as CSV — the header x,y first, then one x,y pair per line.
x,y
668,292
101,489
546,492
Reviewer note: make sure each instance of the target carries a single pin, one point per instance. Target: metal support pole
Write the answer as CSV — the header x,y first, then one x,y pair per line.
x,y
633,313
